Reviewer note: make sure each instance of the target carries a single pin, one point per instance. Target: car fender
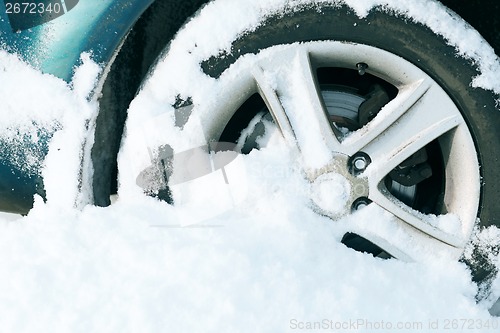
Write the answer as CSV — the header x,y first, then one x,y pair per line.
x,y
54,47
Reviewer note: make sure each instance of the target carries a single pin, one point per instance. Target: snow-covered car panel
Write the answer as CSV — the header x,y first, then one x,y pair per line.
x,y
55,46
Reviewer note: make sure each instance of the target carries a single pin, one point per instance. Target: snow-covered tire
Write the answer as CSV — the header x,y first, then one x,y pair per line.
x,y
416,79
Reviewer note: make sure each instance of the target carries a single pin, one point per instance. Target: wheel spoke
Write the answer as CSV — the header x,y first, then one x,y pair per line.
x,y
416,117
398,238
447,229
408,96
289,89
273,103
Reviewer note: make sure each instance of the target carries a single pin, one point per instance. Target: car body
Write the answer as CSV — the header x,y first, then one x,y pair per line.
x,y
126,37
54,46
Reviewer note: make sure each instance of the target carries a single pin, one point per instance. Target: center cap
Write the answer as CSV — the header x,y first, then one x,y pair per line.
x,y
331,193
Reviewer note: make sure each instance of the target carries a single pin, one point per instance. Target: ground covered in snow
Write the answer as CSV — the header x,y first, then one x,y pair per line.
x,y
270,264
128,268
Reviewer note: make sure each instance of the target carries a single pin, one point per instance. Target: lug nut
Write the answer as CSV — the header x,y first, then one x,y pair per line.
x,y
360,203
360,162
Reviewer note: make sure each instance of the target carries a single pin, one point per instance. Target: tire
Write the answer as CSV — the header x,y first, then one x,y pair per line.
x,y
142,46
394,70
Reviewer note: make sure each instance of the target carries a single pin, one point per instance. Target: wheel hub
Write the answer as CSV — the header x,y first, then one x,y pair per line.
x,y
337,190
331,192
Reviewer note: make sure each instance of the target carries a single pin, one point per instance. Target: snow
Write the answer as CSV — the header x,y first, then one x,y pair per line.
x,y
261,260
331,188
245,16
301,105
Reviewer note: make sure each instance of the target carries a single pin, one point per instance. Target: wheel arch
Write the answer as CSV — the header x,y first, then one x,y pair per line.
x,y
144,43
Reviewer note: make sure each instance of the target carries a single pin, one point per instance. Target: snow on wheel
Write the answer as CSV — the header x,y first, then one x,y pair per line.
x,y
377,108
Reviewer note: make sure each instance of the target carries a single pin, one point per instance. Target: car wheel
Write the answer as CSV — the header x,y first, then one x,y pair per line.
x,y
378,102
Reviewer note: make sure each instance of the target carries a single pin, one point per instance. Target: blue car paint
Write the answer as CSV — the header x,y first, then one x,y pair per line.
x,y
95,26
24,15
